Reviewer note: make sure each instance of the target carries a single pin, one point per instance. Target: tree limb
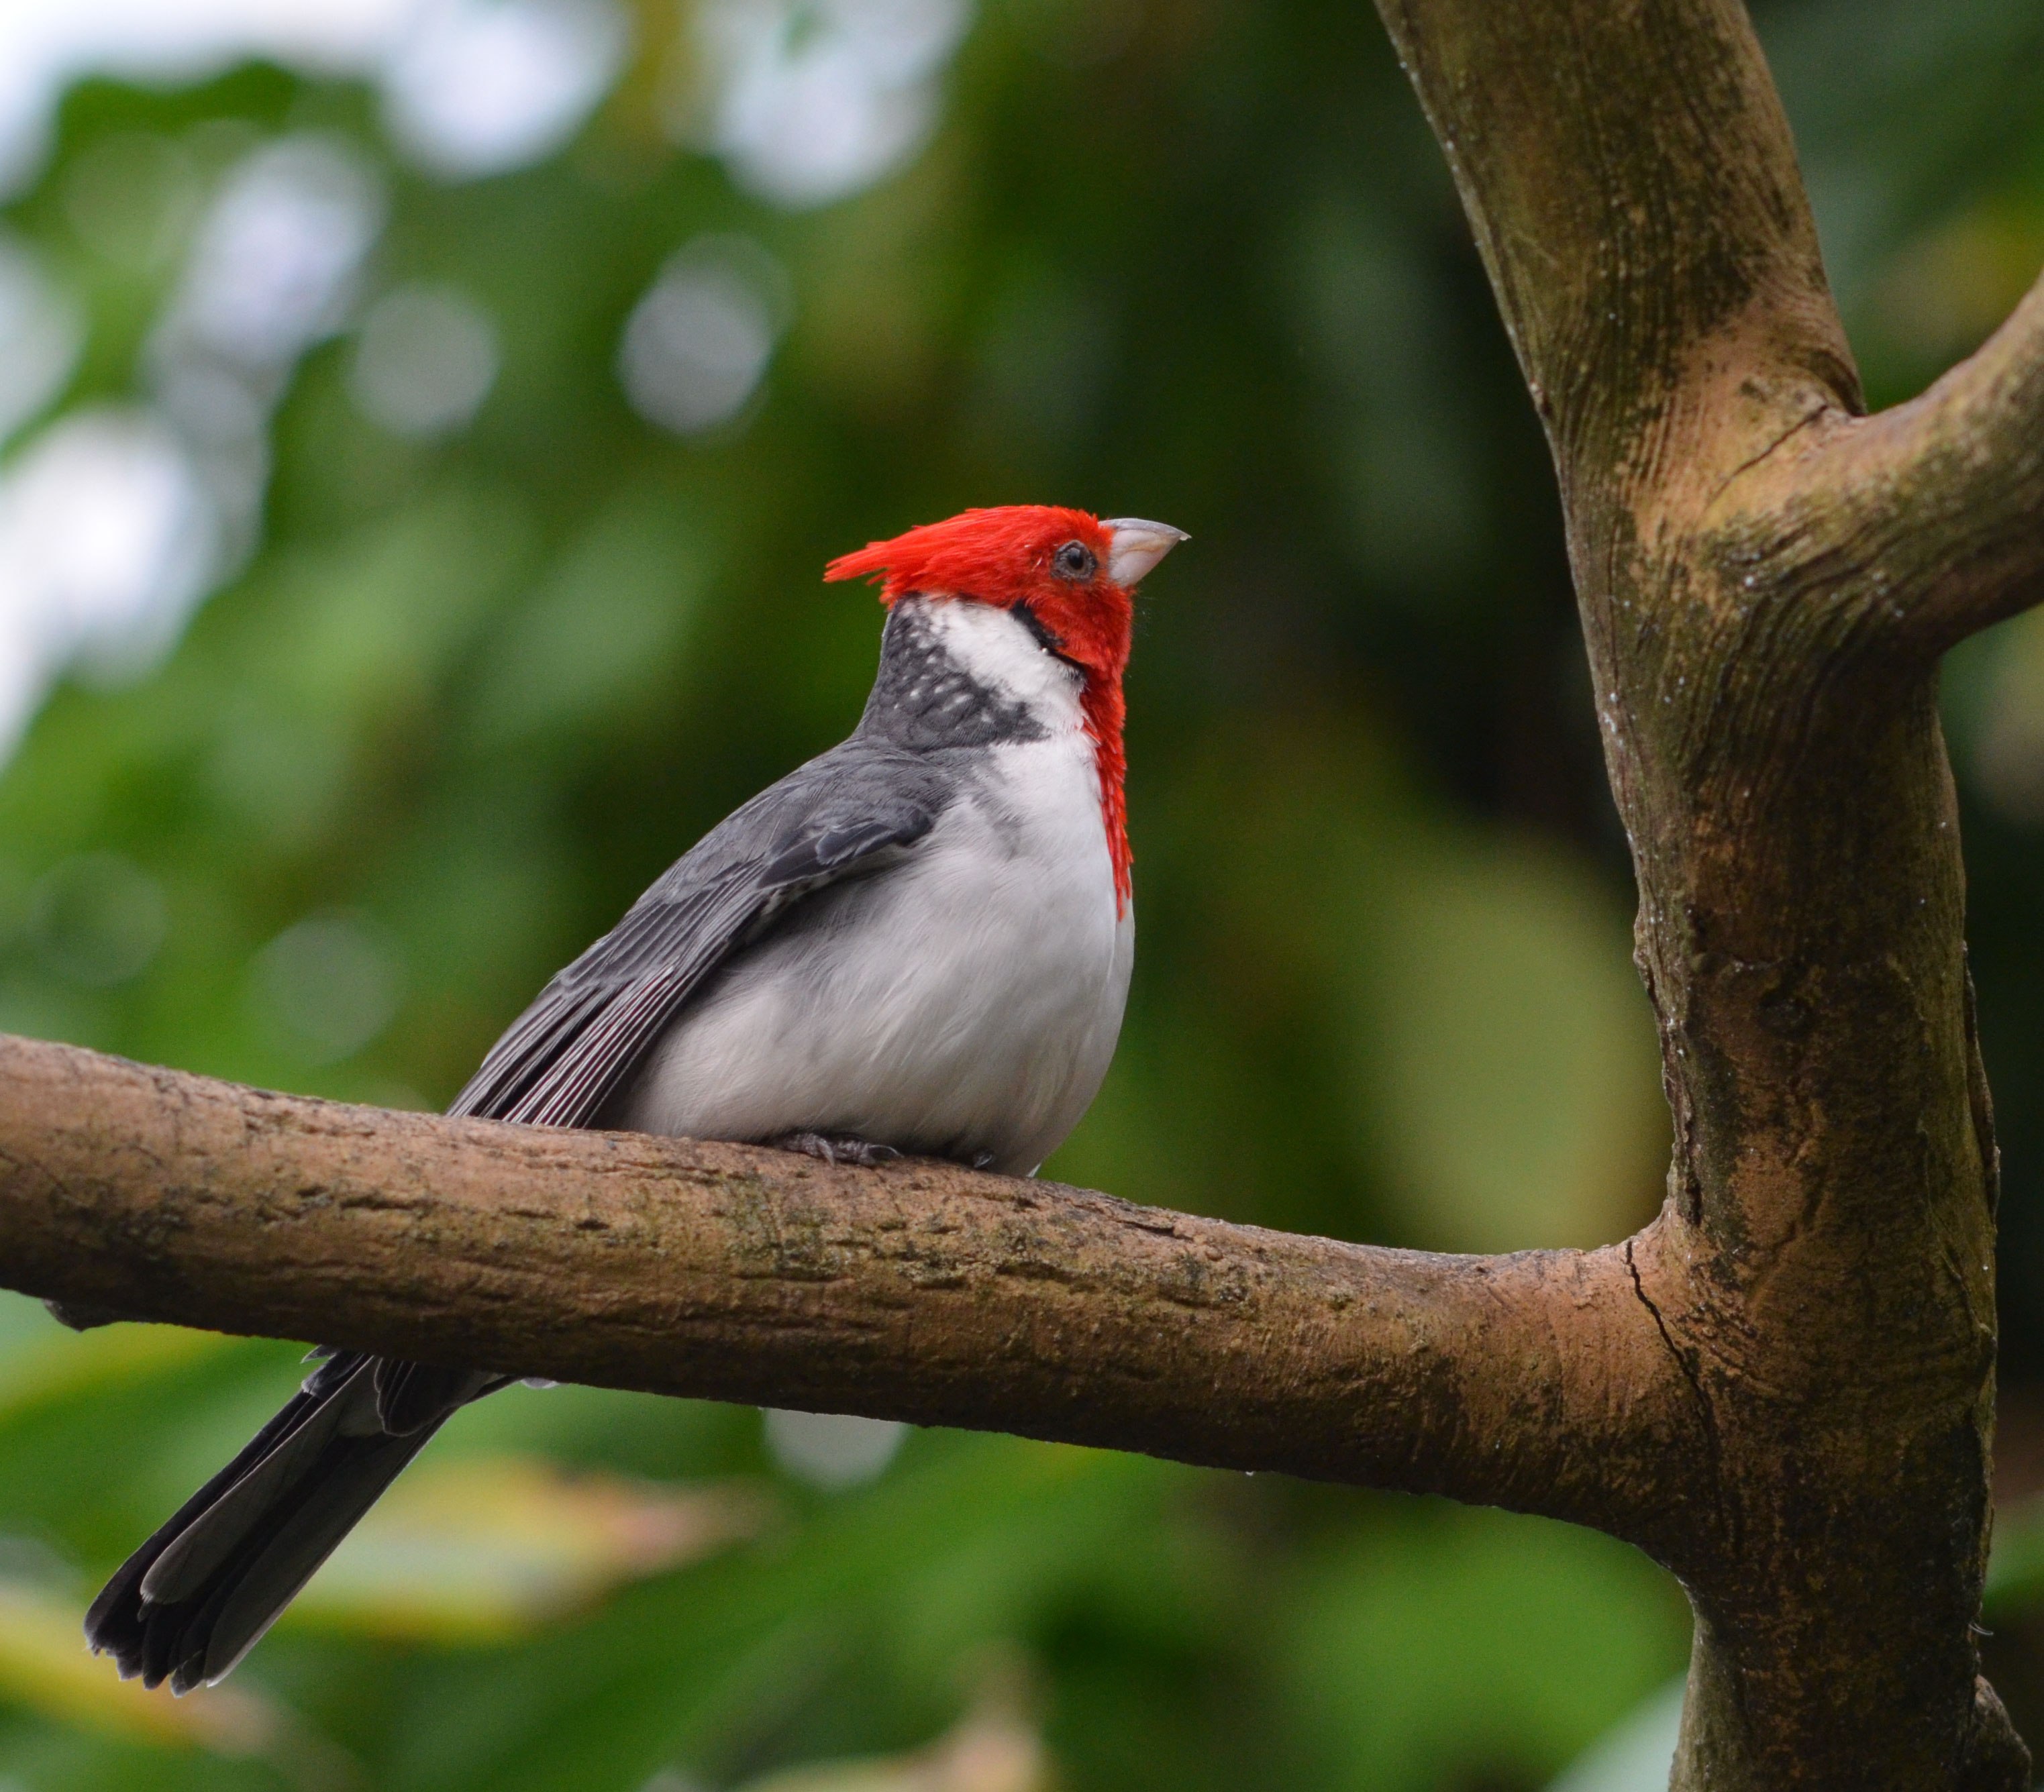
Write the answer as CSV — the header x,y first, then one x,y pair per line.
x,y
1942,497
921,1292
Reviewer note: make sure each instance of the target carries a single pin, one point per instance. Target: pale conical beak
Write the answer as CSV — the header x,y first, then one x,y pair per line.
x,y
1134,547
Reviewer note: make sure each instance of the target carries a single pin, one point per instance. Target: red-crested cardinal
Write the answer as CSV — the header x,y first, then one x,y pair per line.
x,y
919,941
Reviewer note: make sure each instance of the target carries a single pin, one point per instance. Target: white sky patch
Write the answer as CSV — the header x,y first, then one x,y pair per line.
x,y
106,543
1637,1754
810,101
114,524
469,86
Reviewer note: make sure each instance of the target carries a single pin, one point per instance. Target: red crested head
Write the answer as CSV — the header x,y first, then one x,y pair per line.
x,y
1051,559
1076,575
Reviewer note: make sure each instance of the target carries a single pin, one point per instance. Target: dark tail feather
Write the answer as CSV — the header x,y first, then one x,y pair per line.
x,y
194,1599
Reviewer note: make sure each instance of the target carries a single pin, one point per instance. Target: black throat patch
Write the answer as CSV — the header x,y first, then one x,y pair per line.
x,y
923,697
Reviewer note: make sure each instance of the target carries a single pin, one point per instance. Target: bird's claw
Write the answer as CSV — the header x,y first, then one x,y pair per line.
x,y
837,1148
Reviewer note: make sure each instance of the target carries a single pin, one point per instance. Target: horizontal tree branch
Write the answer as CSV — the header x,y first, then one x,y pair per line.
x,y
921,1291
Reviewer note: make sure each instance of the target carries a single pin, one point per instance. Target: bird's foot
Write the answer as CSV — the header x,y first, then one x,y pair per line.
x,y
837,1147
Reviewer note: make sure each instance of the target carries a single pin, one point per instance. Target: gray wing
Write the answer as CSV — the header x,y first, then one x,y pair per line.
x,y
853,809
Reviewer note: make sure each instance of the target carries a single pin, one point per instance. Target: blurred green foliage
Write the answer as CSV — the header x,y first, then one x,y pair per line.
x,y
1196,259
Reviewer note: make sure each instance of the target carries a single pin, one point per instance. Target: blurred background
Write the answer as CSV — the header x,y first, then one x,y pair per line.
x,y
423,424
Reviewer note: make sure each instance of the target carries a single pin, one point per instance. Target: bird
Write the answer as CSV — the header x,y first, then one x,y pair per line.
x,y
918,943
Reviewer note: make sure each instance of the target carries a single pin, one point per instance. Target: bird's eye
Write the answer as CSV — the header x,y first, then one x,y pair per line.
x,y
1074,560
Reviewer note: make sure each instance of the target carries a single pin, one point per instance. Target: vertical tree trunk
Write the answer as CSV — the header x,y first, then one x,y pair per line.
x,y
1766,580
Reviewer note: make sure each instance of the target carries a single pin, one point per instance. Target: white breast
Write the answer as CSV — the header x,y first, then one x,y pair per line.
x,y
964,1002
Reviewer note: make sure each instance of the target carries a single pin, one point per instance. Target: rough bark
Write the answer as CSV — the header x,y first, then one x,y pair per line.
x,y
921,1291
1766,578
1783,1388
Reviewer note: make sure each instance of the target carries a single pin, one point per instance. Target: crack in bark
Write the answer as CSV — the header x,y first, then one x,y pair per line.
x,y
1727,1521
1816,413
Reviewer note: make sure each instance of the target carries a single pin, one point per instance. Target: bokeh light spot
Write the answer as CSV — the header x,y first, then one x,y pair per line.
x,y
98,920
697,346
832,1450
326,987
424,361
